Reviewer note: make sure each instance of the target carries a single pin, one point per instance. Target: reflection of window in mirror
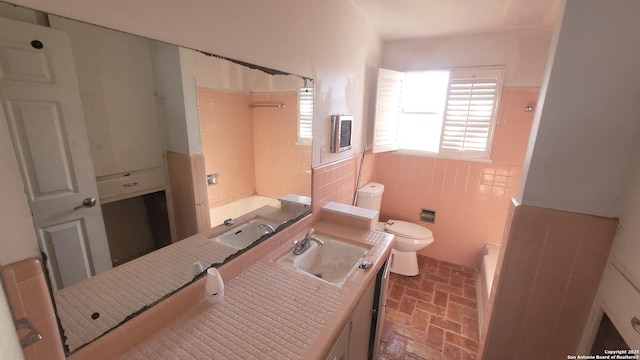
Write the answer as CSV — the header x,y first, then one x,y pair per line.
x,y
305,116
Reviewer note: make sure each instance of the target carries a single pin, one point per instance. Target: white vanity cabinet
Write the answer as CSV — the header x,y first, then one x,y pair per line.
x,y
340,350
359,339
361,325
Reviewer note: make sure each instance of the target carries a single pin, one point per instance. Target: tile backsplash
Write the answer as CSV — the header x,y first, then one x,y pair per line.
x,y
28,295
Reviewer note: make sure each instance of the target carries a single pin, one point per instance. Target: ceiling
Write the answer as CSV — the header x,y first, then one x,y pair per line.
x,y
406,19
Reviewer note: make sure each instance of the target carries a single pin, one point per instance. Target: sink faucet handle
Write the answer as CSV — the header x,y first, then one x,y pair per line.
x,y
310,232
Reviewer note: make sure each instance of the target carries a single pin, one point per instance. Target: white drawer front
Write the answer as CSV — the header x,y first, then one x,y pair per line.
x,y
131,184
621,301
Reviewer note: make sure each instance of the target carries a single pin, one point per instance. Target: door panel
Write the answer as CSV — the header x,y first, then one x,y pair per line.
x,y
42,149
41,102
21,61
66,247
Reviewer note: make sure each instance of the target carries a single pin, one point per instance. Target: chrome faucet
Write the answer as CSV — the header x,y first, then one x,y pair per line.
x,y
268,229
304,244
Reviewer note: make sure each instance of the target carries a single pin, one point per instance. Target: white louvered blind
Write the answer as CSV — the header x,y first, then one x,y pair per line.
x,y
470,112
388,108
305,115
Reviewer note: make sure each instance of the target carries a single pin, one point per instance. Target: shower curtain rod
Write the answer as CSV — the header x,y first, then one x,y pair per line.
x,y
279,106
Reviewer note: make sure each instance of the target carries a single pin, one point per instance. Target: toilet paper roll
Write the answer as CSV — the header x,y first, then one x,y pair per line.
x,y
214,283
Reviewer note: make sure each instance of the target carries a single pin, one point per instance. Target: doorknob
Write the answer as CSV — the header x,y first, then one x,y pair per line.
x,y
86,203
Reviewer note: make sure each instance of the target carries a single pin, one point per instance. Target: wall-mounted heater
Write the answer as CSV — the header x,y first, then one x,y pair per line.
x,y
341,126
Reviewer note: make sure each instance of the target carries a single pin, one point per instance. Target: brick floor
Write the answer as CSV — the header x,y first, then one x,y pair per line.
x,y
431,316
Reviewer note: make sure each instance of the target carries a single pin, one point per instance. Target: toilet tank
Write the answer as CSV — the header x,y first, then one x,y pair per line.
x,y
370,196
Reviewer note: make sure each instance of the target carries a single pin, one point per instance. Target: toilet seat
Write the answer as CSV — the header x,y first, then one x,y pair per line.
x,y
408,230
410,238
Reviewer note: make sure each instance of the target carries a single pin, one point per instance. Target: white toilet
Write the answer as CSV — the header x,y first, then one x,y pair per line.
x,y
410,237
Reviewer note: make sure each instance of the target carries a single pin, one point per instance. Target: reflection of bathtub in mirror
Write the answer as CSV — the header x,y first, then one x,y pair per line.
x,y
89,308
240,207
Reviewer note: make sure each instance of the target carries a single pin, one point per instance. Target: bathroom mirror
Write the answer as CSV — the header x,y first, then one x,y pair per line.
x,y
181,142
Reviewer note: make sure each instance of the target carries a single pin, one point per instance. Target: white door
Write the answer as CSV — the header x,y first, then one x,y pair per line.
x,y
41,104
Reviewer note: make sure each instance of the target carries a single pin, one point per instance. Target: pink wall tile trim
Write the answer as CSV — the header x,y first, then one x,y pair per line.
x,y
471,199
182,194
199,180
187,180
543,300
29,298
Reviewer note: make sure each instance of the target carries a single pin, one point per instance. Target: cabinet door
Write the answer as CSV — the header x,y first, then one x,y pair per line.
x,y
381,305
361,331
340,350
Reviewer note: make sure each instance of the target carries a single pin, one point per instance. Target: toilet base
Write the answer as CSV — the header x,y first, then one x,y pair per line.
x,y
404,263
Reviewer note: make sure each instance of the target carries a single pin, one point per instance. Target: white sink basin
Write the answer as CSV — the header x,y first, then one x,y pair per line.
x,y
244,235
333,262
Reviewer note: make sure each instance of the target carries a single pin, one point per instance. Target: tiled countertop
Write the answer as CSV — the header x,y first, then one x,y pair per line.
x,y
149,279
269,312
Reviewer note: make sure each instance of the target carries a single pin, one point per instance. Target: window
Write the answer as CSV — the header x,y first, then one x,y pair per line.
x,y
305,115
448,113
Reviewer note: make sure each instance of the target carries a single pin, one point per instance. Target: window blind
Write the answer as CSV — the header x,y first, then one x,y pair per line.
x,y
470,112
305,115
388,109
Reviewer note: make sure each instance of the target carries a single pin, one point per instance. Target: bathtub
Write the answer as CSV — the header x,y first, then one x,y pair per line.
x,y
485,280
240,207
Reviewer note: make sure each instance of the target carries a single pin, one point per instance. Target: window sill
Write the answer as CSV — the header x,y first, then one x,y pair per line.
x,y
445,157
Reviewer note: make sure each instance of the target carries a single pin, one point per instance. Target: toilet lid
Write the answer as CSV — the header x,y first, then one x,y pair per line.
x,y
407,230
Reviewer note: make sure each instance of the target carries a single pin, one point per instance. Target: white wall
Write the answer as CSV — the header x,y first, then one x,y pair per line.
x,y
9,345
589,124
118,97
215,73
626,247
523,52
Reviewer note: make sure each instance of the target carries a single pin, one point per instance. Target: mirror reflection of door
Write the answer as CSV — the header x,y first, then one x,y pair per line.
x,y
42,106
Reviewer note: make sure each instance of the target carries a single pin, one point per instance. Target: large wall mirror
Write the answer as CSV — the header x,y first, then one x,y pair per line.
x,y
193,159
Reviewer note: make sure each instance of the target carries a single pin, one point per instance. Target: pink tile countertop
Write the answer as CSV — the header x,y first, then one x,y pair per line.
x,y
269,311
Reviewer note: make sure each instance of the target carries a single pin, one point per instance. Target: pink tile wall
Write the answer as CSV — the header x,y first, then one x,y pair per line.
x,y
281,166
28,296
227,143
199,180
471,199
553,263
187,183
337,181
